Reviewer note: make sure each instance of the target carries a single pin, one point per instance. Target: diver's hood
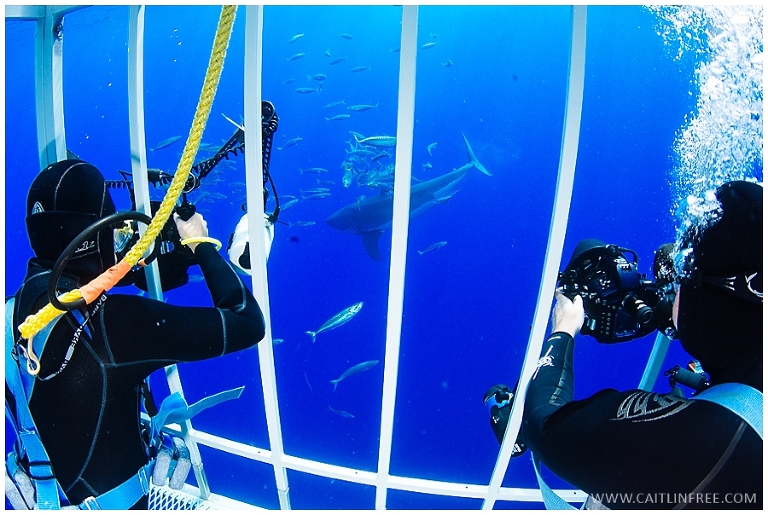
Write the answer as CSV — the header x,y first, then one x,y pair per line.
x,y
64,199
716,324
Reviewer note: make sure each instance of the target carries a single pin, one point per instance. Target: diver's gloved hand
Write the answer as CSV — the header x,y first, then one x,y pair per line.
x,y
172,463
567,315
195,227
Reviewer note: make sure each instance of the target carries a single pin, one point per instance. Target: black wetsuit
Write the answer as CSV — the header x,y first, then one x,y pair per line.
x,y
655,450
88,415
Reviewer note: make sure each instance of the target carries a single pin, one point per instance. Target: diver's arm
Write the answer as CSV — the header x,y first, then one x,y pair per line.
x,y
552,383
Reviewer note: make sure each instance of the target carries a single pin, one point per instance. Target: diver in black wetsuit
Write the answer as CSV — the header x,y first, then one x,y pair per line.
x,y
637,449
87,412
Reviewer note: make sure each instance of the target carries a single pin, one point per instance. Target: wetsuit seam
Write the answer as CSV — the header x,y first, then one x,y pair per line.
x,y
719,465
97,429
223,332
104,335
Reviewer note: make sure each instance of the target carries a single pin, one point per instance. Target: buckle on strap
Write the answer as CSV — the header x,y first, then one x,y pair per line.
x,y
143,475
41,470
89,503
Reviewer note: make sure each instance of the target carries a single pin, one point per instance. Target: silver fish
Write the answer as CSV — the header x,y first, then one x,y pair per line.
x,y
165,143
447,63
314,196
277,341
315,190
318,77
312,170
288,204
300,224
431,147
342,413
378,141
309,90
295,38
346,36
296,56
360,69
429,45
290,143
360,367
328,53
288,81
434,246
333,104
339,117
337,320
362,107
336,60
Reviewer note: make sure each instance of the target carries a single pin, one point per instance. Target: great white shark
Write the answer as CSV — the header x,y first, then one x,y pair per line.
x,y
372,216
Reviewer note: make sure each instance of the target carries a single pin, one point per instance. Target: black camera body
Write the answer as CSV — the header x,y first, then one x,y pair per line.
x,y
619,302
173,258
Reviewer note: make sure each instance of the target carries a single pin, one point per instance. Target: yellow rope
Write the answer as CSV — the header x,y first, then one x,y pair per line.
x,y
34,323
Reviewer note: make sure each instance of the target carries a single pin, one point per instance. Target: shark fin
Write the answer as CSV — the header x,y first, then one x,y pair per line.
x,y
472,159
371,244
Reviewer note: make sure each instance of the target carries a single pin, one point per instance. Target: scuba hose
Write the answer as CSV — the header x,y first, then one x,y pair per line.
x,y
91,291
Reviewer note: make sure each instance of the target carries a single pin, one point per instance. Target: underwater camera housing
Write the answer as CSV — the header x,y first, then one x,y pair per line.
x,y
173,258
619,302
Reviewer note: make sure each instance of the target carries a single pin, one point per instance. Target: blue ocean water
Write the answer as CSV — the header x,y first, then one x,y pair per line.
x,y
498,75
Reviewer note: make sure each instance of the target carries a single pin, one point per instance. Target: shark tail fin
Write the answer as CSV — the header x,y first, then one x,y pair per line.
x,y
335,383
472,159
313,335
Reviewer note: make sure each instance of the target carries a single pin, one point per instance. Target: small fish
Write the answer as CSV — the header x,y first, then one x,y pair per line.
x,y
345,36
318,77
337,320
339,117
312,170
290,143
309,90
328,53
289,81
360,367
328,183
295,38
378,141
431,147
447,63
165,143
286,197
295,56
277,341
395,50
362,107
342,413
316,196
333,104
288,204
360,69
380,156
428,45
358,200
336,60
300,223
316,190
427,166
307,380
434,246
